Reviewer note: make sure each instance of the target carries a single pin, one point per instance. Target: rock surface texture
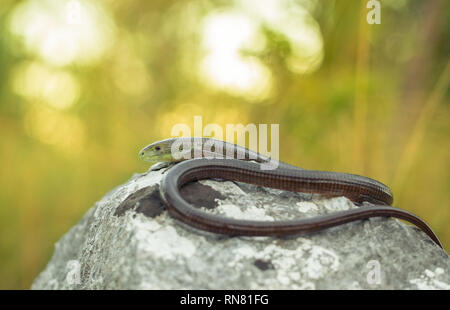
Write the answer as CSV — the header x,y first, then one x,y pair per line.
x,y
129,241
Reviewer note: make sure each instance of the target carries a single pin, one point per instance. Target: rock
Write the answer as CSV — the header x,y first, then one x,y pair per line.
x,y
128,241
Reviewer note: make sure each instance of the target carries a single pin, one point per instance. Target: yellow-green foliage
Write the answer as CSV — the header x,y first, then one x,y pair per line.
x,y
85,85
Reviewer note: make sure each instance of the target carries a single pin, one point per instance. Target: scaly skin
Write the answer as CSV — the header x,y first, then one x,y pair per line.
x,y
354,187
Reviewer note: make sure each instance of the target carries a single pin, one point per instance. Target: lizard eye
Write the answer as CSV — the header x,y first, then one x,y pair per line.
x,y
157,148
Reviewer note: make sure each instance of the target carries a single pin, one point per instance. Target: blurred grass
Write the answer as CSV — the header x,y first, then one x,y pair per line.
x,y
356,112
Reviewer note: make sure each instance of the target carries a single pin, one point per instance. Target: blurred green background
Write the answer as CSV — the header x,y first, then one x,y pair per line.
x,y
85,84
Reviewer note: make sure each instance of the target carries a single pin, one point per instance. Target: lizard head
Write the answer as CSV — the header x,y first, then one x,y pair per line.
x,y
157,152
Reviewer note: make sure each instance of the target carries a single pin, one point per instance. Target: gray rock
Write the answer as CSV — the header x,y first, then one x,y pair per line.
x,y
128,241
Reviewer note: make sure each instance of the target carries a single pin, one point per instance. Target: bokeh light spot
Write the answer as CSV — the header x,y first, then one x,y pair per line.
x,y
293,20
228,34
62,32
35,81
225,36
246,77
